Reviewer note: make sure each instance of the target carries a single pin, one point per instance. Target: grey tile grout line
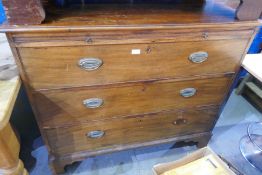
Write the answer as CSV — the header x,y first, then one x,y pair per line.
x,y
137,161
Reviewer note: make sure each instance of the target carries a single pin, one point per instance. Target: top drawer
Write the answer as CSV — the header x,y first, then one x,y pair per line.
x,y
55,67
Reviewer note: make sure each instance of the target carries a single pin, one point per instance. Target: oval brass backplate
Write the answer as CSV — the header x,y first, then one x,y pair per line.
x,y
188,92
93,102
198,57
96,134
90,64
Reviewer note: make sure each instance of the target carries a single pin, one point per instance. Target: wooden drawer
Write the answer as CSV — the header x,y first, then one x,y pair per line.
x,y
56,67
131,130
65,107
135,129
118,36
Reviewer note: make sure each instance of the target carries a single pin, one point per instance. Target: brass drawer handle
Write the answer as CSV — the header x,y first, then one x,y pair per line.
x,y
180,121
198,57
96,134
90,63
93,102
188,92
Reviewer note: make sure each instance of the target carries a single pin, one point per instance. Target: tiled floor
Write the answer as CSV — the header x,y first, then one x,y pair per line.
x,y
230,128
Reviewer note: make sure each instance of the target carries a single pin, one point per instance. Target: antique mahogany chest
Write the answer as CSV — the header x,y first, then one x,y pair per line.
x,y
104,78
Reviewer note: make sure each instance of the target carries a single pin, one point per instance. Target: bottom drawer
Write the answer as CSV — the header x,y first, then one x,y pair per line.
x,y
105,134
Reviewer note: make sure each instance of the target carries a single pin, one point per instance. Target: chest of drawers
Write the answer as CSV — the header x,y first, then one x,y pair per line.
x,y
110,78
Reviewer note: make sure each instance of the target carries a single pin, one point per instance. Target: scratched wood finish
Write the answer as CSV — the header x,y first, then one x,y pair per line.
x,y
65,107
135,129
156,61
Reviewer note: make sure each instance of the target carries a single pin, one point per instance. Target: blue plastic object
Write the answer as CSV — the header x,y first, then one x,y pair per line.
x,y
254,48
2,13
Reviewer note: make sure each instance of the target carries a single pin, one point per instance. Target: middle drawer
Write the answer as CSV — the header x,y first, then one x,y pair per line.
x,y
76,105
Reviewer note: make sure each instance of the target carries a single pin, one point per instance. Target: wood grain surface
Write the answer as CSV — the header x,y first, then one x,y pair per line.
x,y
132,36
65,107
180,14
136,129
56,67
141,97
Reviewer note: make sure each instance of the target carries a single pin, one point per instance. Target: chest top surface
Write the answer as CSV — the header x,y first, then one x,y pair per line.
x,y
173,14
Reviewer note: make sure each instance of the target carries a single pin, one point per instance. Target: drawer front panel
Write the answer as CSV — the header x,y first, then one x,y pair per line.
x,y
73,106
55,67
36,39
114,133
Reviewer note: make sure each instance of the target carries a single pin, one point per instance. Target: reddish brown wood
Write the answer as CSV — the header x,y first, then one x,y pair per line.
x,y
139,129
28,12
65,107
132,36
58,163
249,10
166,60
141,92
24,12
137,16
